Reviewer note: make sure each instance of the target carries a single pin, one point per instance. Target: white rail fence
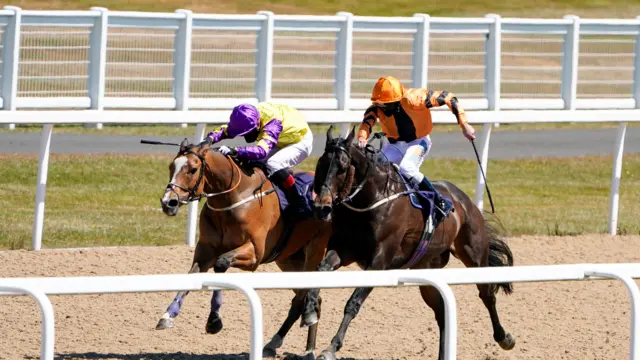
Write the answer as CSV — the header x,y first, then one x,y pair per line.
x,y
100,59
503,70
441,279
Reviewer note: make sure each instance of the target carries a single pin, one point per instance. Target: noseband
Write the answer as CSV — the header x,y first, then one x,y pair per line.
x,y
342,197
192,192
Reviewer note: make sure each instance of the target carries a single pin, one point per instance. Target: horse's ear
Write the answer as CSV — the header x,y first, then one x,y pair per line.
x,y
183,144
352,134
330,133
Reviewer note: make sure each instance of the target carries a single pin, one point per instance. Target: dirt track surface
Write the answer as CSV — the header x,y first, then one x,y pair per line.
x,y
559,320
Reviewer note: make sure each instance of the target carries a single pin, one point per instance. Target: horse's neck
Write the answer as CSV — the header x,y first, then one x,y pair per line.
x,y
374,176
222,175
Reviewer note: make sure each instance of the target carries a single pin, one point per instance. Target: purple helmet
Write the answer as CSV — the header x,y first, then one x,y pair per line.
x,y
243,119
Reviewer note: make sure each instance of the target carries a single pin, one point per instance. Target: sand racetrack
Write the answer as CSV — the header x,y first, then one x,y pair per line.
x,y
559,320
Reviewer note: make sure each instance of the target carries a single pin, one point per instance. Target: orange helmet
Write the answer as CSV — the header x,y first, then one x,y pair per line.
x,y
387,89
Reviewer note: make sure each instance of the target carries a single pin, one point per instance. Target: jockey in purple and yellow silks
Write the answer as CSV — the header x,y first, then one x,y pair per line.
x,y
283,138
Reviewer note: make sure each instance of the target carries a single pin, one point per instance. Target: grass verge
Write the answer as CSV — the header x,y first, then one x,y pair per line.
x,y
107,200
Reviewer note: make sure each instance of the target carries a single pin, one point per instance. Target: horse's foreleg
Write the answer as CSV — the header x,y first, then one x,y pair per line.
x,y
243,258
331,262
295,311
350,311
214,322
202,260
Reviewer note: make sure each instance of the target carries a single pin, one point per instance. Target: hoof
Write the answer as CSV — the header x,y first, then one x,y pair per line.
x,y
268,353
310,355
214,324
309,320
269,350
165,323
508,343
327,355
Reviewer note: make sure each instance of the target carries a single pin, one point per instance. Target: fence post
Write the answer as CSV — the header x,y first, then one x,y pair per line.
x,y
181,88
343,60
420,71
41,186
493,46
636,71
616,173
450,311
570,63
255,311
634,294
182,62
194,206
48,318
264,57
10,60
97,62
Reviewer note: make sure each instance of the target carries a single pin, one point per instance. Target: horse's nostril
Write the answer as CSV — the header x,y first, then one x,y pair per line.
x,y
173,203
325,210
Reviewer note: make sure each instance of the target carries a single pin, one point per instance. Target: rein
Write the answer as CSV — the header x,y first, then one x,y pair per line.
x,y
194,189
348,184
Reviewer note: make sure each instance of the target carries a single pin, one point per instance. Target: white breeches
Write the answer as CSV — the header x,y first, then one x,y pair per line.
x,y
290,156
409,155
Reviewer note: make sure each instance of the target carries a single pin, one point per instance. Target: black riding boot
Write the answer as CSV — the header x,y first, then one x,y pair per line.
x,y
285,180
441,203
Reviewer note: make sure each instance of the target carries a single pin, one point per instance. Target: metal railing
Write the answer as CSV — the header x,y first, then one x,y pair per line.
x,y
100,59
248,283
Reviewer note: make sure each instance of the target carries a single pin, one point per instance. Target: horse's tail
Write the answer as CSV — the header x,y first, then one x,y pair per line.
x,y
499,253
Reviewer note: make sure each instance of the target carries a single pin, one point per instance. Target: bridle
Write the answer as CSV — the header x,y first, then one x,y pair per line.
x,y
347,185
192,192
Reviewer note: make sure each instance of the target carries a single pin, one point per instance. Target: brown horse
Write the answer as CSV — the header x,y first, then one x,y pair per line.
x,y
241,226
376,226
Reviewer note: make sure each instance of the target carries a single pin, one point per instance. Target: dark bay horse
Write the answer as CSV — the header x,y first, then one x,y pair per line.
x,y
241,226
379,230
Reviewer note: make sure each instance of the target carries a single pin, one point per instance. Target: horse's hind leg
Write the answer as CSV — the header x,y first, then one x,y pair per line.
x,y
202,261
475,251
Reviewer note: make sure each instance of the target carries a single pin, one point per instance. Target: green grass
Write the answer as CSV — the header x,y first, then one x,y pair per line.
x,y
101,200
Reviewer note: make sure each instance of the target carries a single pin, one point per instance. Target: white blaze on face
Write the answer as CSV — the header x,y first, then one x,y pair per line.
x,y
178,164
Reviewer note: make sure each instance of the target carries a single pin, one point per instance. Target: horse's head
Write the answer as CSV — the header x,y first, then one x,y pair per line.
x,y
186,173
334,174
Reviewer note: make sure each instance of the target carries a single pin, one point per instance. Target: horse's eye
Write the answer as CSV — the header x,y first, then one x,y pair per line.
x,y
193,171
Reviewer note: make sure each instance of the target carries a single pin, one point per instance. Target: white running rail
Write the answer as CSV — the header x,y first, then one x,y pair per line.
x,y
249,282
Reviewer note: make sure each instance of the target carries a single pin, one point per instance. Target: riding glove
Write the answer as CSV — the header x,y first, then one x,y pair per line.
x,y
228,151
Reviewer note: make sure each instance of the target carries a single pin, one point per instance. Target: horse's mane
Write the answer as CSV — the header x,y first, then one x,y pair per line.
x,y
373,155
247,167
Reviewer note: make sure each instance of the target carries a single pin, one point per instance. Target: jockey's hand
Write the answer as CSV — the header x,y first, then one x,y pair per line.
x,y
468,131
362,142
225,150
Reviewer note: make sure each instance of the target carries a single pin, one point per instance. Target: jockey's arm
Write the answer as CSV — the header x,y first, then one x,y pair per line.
x,y
369,120
267,139
218,134
438,98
